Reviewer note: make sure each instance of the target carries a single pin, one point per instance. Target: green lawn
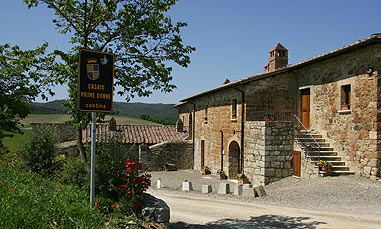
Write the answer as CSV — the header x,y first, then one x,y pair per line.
x,y
18,140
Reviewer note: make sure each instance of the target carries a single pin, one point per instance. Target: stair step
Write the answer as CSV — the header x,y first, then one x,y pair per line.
x,y
322,153
334,163
304,139
322,149
325,158
349,172
336,168
325,152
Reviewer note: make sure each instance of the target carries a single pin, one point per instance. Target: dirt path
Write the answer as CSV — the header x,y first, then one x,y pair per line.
x,y
199,211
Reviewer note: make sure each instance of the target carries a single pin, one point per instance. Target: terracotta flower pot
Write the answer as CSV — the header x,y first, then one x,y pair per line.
x,y
243,181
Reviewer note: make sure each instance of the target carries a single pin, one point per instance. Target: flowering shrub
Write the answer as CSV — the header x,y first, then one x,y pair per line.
x,y
134,185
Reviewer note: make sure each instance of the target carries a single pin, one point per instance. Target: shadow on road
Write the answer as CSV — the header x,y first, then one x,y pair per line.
x,y
264,221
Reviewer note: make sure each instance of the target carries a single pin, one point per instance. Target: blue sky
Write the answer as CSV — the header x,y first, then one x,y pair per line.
x,y
232,37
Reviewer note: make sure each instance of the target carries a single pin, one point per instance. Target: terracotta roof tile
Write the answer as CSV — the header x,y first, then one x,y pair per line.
x,y
136,134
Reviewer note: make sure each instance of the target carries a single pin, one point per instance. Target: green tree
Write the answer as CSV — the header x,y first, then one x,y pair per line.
x,y
22,78
142,37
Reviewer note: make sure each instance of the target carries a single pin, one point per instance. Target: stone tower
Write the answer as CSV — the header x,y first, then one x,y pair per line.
x,y
278,58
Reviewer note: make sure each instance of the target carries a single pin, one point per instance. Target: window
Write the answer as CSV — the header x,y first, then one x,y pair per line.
x,y
206,113
346,97
234,109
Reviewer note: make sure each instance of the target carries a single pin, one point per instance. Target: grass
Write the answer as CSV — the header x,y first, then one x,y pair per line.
x,y
31,201
18,140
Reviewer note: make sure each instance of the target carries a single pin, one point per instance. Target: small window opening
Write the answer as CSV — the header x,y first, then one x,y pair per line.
x,y
206,113
346,97
234,109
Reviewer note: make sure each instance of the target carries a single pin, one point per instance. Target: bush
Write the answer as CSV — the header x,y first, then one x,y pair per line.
x,y
39,155
74,173
110,158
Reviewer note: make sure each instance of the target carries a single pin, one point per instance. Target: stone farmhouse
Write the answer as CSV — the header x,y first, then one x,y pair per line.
x,y
281,122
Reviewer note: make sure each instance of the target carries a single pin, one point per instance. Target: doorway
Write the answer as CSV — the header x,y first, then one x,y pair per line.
x,y
296,162
305,107
202,154
234,160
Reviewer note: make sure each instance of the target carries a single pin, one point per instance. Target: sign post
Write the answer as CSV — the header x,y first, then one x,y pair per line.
x,y
95,94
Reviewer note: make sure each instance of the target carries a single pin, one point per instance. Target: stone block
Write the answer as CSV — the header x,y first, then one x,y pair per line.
x,y
206,188
187,186
247,186
223,188
367,170
285,172
373,162
248,192
260,191
237,190
270,172
159,184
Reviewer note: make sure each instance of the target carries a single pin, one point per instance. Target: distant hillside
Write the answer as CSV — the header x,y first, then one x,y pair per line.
x,y
153,112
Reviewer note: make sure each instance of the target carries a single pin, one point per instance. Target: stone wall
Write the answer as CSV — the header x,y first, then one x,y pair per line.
x,y
352,133
156,156
269,151
66,132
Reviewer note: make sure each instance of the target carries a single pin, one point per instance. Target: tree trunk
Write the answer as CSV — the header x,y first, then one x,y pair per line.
x,y
82,151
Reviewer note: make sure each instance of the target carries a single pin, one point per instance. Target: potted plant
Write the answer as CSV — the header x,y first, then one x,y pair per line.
x,y
221,174
324,166
170,167
205,170
242,179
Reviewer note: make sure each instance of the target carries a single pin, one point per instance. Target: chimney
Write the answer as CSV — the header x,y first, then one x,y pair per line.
x,y
278,58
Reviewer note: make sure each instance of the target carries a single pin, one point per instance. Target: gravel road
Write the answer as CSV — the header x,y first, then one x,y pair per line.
x,y
355,196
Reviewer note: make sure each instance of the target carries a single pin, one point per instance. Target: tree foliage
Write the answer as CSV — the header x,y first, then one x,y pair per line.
x,y
22,78
142,37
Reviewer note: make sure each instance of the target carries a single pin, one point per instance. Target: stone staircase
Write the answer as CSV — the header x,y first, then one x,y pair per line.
x,y
308,139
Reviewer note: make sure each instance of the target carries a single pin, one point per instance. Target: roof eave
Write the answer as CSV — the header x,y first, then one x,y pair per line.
x,y
324,56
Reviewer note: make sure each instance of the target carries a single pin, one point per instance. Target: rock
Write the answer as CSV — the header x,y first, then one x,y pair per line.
x,y
156,211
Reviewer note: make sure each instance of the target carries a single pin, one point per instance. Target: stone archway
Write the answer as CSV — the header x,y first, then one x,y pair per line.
x,y
234,159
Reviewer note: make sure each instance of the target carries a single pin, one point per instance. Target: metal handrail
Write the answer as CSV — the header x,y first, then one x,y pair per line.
x,y
306,134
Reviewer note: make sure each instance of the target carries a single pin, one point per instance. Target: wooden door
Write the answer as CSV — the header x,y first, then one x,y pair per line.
x,y
297,157
202,154
305,108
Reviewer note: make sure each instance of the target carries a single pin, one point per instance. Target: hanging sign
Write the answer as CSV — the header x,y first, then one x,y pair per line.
x,y
95,81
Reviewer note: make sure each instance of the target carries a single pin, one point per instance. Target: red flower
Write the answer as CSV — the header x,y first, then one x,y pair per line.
x,y
13,189
97,203
129,169
140,166
128,162
113,206
40,167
